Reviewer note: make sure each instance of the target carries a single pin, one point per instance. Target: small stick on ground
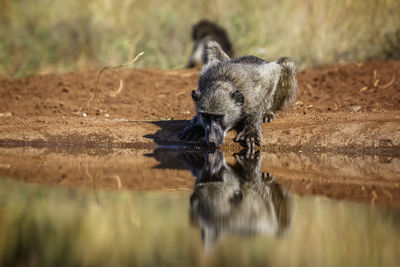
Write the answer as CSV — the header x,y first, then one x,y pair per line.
x,y
389,83
96,88
376,81
121,85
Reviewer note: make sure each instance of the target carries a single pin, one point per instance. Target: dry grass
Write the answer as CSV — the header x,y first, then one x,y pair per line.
x,y
54,36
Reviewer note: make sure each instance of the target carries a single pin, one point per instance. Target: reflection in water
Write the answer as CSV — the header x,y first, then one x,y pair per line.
x,y
55,226
237,199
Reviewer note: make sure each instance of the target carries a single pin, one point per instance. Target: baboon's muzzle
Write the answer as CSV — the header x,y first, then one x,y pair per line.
x,y
215,137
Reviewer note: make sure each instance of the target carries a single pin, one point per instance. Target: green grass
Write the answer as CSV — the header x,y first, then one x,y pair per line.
x,y
44,36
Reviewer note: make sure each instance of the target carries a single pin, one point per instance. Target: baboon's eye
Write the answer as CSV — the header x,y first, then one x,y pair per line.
x,y
218,118
206,118
212,117
238,97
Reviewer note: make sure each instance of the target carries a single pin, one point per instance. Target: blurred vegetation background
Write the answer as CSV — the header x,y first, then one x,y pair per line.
x,y
54,226
42,36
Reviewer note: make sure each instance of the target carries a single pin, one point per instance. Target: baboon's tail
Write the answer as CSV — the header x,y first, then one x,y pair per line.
x,y
287,81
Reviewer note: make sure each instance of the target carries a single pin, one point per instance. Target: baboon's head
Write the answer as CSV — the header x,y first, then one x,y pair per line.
x,y
218,102
217,191
218,111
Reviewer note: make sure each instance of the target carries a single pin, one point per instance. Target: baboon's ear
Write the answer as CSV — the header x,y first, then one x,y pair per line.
x,y
238,97
195,95
213,53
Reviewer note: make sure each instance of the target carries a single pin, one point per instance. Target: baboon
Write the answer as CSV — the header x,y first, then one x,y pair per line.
x,y
238,93
203,31
237,199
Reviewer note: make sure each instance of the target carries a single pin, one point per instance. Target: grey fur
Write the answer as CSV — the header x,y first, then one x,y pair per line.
x,y
236,198
240,92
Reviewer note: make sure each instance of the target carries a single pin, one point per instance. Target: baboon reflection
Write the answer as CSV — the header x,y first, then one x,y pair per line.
x,y
237,199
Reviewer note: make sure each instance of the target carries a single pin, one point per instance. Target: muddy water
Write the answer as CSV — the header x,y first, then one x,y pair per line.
x,y
173,208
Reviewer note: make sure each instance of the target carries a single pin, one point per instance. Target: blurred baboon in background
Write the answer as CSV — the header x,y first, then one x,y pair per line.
x,y
201,32
237,199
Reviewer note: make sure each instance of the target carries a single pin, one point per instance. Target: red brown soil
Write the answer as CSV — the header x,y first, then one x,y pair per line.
x,y
157,95
338,107
340,110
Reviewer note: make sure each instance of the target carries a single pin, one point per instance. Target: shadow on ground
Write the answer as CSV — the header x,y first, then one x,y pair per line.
x,y
167,135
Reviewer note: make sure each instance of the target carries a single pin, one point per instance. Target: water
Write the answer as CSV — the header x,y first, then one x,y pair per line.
x,y
199,209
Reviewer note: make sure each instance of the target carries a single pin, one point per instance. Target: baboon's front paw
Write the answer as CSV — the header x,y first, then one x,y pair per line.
x,y
247,156
192,132
251,138
269,116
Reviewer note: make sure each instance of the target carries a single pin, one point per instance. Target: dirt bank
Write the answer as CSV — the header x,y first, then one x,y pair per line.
x,y
339,108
